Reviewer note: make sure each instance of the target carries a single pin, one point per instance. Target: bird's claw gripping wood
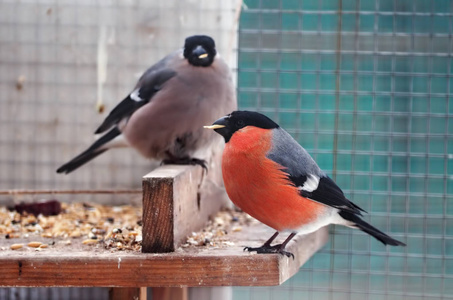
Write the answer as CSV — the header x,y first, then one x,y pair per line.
x,y
276,249
186,161
200,162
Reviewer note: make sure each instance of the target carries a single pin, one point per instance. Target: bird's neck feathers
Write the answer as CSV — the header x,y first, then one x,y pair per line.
x,y
252,140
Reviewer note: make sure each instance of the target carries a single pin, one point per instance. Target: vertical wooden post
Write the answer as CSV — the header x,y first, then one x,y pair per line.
x,y
127,293
165,293
157,214
175,205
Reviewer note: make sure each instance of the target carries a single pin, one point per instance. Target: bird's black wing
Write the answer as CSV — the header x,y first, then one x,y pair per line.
x,y
326,192
149,84
303,172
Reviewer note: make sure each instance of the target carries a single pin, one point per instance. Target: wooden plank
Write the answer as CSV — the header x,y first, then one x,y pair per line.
x,y
192,266
175,203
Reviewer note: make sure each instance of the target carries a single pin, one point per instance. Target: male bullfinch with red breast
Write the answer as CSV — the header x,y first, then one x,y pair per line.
x,y
271,177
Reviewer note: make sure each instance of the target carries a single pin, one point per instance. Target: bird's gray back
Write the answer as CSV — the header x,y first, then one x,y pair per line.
x,y
163,65
288,153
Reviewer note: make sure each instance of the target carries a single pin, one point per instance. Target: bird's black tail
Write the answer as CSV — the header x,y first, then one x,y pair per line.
x,y
87,155
374,232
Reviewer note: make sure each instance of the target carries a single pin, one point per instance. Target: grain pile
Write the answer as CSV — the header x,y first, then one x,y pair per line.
x,y
113,227
110,227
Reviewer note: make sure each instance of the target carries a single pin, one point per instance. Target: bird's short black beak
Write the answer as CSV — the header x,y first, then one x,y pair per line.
x,y
200,53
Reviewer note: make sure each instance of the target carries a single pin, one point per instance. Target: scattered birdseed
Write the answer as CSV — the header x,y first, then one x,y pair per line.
x,y
117,228
89,241
16,246
34,244
77,222
215,234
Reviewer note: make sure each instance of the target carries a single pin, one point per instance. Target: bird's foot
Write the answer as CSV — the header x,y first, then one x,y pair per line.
x,y
265,249
186,161
200,162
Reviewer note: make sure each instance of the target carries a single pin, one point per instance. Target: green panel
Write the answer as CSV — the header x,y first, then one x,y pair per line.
x,y
290,61
385,23
290,4
403,24
329,22
348,23
310,5
271,4
366,22
250,21
384,118
310,22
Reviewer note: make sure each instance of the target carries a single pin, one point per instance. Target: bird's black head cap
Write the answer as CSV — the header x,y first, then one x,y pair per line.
x,y
240,119
199,50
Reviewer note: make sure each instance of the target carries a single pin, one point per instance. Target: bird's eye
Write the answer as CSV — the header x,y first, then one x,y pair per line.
x,y
240,123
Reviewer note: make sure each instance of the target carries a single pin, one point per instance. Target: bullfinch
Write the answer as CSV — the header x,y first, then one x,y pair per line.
x,y
271,177
163,116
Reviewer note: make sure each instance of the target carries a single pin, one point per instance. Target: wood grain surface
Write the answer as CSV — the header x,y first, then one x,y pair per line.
x,y
191,266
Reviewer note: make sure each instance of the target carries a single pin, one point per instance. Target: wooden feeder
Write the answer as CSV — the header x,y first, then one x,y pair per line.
x,y
172,209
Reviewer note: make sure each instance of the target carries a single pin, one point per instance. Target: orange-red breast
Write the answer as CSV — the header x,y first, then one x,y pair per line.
x,y
272,178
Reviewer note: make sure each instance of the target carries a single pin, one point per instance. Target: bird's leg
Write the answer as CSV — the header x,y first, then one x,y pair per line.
x,y
266,245
184,161
269,241
267,248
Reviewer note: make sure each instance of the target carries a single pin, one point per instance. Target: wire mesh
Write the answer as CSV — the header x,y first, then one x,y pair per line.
x,y
364,86
60,58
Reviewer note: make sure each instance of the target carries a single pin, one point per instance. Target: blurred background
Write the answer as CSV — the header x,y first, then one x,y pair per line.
x,y
363,85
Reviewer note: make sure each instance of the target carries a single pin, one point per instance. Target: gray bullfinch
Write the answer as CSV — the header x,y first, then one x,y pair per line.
x,y
272,178
163,116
